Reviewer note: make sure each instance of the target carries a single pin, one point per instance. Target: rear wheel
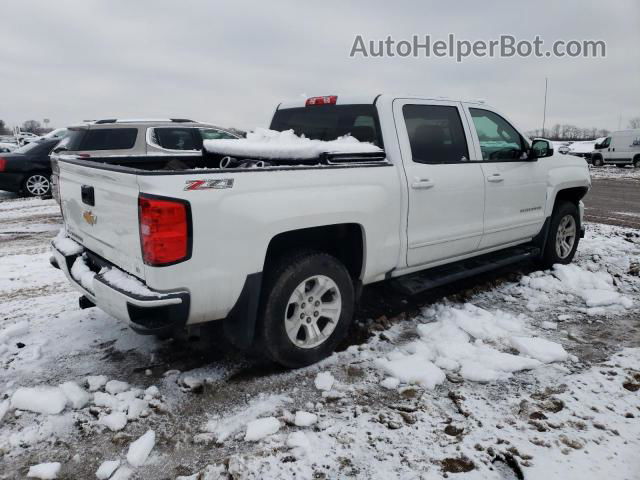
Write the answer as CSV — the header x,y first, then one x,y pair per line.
x,y
37,185
307,309
564,235
597,161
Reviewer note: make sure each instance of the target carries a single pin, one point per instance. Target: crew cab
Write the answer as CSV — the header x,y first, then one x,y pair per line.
x,y
275,235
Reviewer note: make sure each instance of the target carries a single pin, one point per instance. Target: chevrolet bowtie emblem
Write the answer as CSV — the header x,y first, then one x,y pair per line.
x,y
89,217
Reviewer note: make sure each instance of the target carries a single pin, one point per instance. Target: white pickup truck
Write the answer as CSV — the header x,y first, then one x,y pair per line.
x,y
434,190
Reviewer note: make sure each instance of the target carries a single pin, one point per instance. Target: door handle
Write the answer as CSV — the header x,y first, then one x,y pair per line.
x,y
421,183
495,178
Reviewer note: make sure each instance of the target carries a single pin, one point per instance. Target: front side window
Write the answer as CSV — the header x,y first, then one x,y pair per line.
x,y
213,134
109,139
435,134
606,143
498,139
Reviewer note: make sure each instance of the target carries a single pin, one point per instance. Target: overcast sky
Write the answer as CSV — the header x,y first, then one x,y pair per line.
x,y
231,63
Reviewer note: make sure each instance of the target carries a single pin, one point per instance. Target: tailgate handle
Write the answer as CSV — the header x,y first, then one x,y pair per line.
x,y
88,196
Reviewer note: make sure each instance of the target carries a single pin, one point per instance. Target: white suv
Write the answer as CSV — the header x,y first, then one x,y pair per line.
x,y
118,137
136,139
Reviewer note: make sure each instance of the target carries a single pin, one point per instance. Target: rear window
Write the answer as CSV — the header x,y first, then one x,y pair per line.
x,y
108,139
328,122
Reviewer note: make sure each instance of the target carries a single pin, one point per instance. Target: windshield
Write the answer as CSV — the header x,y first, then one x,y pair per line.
x,y
328,122
71,141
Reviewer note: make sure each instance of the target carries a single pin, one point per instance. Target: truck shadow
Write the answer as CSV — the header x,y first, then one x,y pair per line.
x,y
380,307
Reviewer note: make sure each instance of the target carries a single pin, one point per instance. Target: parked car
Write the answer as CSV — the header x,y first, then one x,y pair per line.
x,y
27,170
24,138
275,236
564,147
142,139
621,148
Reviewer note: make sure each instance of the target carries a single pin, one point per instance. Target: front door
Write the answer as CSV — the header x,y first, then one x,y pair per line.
x,y
445,188
515,194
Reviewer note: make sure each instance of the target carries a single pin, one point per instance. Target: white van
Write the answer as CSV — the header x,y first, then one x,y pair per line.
x,y
620,148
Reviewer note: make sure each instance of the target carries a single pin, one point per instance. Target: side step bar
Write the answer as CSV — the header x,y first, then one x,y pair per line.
x,y
438,276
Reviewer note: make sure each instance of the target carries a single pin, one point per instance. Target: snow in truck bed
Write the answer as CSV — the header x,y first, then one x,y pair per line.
x,y
268,144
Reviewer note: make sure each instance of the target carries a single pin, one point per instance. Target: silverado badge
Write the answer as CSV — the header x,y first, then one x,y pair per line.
x,y
89,217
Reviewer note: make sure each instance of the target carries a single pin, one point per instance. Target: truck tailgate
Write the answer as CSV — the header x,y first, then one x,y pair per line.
x,y
100,209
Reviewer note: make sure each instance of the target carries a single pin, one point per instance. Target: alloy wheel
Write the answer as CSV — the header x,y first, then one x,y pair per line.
x,y
313,311
566,236
37,185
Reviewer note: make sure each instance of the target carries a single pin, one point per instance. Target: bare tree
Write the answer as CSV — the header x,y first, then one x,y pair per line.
x,y
634,122
3,127
31,126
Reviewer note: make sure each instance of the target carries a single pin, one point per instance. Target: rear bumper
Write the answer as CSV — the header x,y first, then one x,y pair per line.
x,y
149,313
11,182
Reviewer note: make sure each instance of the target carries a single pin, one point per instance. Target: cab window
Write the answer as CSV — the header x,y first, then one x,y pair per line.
x,y
499,141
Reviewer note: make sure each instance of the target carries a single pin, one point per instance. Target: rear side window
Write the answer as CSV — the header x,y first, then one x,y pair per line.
x,y
174,138
328,122
435,134
109,139
498,139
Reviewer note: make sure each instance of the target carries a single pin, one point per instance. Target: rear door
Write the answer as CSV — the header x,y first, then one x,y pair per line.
x,y
446,188
515,188
100,209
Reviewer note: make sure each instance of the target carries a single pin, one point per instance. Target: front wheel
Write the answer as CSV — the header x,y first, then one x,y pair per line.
x,y
563,237
37,185
597,161
307,309
636,162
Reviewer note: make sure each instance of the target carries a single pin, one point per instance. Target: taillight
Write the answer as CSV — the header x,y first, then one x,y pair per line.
x,y
165,230
327,100
3,164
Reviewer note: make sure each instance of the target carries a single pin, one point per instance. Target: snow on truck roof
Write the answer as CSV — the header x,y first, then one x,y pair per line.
x,y
270,144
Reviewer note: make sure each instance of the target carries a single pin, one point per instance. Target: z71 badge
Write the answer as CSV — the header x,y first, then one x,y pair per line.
x,y
209,184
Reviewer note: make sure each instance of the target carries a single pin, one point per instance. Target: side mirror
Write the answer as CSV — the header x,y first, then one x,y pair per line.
x,y
540,148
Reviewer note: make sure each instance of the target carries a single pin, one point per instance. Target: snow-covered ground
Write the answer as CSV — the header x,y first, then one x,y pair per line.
x,y
527,374
613,172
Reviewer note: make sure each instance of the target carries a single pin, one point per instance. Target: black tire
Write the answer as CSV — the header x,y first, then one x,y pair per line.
x,y
636,161
597,161
551,254
287,275
41,187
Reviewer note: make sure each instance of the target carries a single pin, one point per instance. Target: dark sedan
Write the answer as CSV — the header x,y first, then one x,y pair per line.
x,y
27,170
